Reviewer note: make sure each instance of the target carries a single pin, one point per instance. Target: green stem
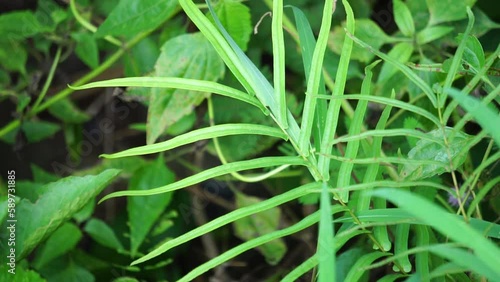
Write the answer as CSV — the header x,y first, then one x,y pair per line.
x,y
49,79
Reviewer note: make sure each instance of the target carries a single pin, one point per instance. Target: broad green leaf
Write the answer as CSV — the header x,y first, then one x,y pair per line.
x,y
42,176
140,59
366,30
403,18
59,202
63,240
68,112
487,117
482,23
86,48
23,101
235,17
13,56
103,234
38,130
260,224
419,12
187,56
182,126
71,272
20,273
144,211
49,14
473,53
85,213
432,33
412,123
200,134
446,10
401,52
426,150
485,252
131,17
19,25
125,279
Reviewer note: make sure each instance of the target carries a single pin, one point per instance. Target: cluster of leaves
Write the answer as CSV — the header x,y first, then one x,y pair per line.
x,y
385,138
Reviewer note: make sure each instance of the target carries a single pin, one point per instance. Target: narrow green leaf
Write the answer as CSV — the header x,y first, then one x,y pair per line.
x,y
211,173
325,248
279,61
401,52
338,91
259,225
307,46
486,116
230,217
392,102
266,238
200,134
403,68
447,224
314,78
457,58
466,259
351,151
355,273
422,260
401,247
176,82
312,262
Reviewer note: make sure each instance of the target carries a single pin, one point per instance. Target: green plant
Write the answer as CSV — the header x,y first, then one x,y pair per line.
x,y
443,149
382,184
